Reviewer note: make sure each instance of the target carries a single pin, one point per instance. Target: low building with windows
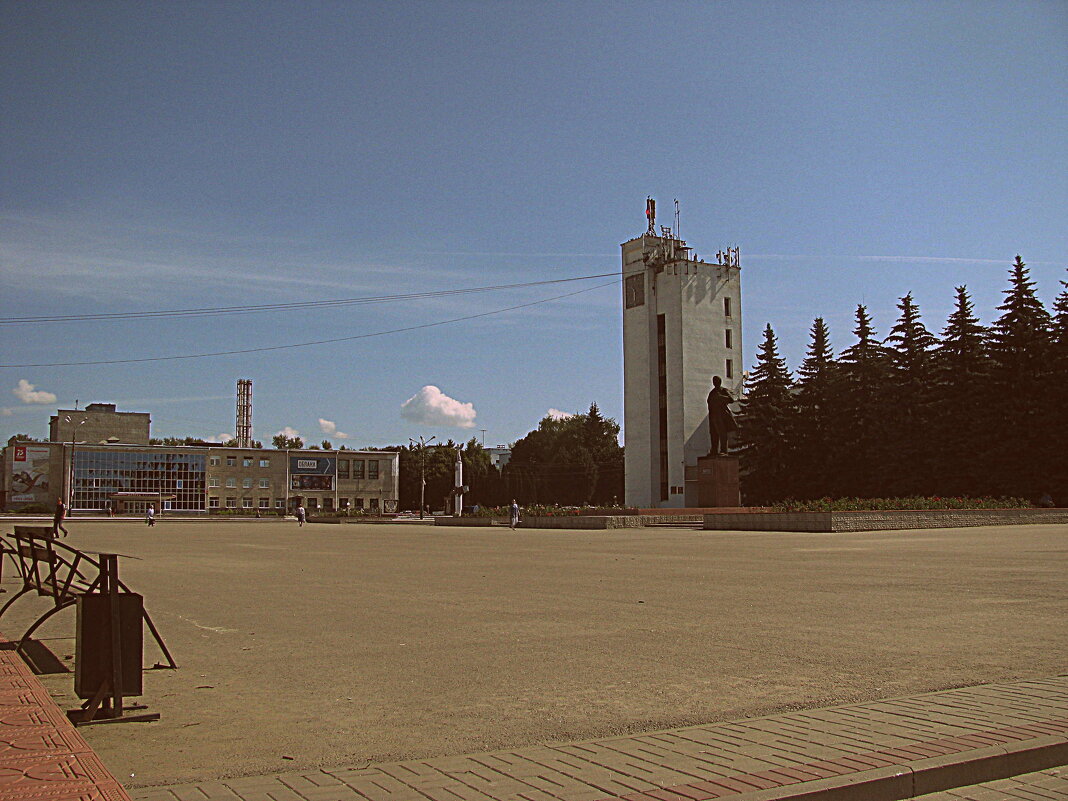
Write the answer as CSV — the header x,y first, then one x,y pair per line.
x,y
197,479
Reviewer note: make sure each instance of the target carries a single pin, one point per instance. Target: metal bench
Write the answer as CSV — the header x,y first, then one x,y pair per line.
x,y
69,576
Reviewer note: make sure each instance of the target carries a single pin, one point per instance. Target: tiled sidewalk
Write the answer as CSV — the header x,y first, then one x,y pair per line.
x,y
42,755
893,749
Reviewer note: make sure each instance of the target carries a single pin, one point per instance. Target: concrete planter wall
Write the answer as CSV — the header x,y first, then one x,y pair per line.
x,y
468,522
881,520
581,521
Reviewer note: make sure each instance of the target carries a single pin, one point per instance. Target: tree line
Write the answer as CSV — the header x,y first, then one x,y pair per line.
x,y
976,411
572,461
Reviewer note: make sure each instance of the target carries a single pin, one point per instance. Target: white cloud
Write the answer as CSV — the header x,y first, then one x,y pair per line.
x,y
556,414
5,412
220,438
431,406
26,393
329,427
290,432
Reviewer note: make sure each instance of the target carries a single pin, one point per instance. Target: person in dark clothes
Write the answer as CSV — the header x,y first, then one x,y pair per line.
x,y
58,518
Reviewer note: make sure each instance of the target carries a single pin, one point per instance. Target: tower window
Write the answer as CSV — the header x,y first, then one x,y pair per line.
x,y
729,368
727,307
727,338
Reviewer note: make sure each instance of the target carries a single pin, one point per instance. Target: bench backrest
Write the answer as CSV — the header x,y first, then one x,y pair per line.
x,y
43,569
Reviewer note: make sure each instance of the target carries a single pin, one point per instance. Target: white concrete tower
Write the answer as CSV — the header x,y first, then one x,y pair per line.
x,y
682,324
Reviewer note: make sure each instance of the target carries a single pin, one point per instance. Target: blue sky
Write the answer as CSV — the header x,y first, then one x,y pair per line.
x,y
160,156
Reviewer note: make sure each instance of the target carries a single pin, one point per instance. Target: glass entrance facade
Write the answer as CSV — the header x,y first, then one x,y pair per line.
x,y
100,473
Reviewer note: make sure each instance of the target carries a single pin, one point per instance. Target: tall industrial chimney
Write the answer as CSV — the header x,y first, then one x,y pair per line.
x,y
244,413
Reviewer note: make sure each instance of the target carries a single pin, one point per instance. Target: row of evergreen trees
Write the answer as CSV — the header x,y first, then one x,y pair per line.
x,y
979,411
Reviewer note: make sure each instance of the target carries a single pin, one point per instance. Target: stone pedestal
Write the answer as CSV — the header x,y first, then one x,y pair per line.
x,y
717,481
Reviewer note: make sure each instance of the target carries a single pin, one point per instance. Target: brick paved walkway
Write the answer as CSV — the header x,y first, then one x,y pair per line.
x,y
900,748
42,755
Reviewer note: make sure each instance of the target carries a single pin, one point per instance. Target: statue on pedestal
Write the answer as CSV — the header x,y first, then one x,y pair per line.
x,y
720,418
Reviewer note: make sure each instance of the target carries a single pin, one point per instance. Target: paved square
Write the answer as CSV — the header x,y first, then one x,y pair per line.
x,y
339,645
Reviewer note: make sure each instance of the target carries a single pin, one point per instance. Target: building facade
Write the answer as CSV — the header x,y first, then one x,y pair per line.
x,y
99,422
682,325
95,475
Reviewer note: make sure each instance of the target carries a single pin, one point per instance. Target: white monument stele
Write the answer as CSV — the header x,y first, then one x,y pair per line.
x,y
682,324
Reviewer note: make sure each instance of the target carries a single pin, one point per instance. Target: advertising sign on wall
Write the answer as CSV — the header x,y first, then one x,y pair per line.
x,y
307,472
29,475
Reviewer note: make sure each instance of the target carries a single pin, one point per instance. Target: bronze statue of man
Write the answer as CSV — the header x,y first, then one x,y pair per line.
x,y
720,418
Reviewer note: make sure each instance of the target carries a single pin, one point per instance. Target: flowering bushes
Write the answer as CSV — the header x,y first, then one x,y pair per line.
x,y
910,503
542,510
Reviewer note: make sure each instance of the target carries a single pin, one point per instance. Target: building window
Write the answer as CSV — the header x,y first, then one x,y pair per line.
x,y
342,503
374,504
246,462
265,462
279,503
265,483
214,461
357,468
231,482
213,482
246,483
265,503
213,503
313,503
372,468
231,503
729,369
727,307
359,503
246,503
634,290
342,468
231,461
728,339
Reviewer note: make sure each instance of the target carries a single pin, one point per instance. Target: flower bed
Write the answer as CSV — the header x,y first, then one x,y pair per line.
x,y
907,503
881,520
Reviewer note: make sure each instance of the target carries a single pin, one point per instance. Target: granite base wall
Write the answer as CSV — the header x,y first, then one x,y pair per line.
x,y
829,522
468,522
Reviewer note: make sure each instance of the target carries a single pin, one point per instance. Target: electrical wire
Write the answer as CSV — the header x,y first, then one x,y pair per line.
x,y
315,342
271,307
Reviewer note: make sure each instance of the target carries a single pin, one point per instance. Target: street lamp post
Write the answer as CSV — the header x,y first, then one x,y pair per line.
x,y
422,474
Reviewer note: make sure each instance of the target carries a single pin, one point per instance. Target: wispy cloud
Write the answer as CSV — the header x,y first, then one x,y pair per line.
x,y
72,255
898,259
556,414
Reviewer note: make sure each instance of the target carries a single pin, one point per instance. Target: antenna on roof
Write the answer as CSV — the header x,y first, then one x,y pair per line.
x,y
650,214
678,231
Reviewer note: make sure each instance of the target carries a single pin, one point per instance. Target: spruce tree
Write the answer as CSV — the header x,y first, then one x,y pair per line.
x,y
864,394
1056,417
908,422
816,438
960,415
766,429
1021,349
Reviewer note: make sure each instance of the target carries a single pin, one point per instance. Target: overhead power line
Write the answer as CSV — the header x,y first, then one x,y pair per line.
x,y
271,307
322,341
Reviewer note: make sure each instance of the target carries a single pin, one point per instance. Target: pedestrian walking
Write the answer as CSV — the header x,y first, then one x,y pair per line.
x,y
58,518
150,515
514,515
301,515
